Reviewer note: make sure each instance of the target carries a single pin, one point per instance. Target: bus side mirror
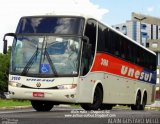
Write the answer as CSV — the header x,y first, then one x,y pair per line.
x,y
5,47
85,39
6,42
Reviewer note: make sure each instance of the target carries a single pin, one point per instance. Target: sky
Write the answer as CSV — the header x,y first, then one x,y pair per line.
x,y
108,11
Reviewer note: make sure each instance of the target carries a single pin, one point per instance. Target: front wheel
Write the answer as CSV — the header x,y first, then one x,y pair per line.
x,y
97,101
42,105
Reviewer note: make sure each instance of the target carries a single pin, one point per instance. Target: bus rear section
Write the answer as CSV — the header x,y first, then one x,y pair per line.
x,y
123,72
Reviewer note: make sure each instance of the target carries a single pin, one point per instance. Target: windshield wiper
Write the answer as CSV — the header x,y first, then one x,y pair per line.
x,y
30,62
50,61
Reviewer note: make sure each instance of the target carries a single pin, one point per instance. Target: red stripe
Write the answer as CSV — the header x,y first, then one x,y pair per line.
x,y
110,64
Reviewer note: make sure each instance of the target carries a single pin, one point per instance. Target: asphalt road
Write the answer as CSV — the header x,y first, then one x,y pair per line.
x,y
68,115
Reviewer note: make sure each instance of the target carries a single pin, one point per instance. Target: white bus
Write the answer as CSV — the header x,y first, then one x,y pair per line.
x,y
74,59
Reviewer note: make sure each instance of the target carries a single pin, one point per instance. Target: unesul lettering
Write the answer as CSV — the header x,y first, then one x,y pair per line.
x,y
131,72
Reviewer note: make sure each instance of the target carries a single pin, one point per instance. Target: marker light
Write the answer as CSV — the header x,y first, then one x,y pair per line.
x,y
67,86
15,84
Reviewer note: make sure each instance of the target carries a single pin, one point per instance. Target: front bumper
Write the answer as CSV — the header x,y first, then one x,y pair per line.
x,y
57,95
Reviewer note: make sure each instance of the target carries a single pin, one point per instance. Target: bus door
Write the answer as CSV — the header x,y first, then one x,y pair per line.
x,y
87,58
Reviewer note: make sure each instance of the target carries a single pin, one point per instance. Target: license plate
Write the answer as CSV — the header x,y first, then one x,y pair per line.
x,y
38,94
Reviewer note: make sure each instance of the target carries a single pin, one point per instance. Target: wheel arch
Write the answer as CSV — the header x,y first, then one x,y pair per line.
x,y
97,84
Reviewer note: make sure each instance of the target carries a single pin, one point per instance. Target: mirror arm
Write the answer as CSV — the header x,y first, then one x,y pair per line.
x,y
86,38
9,34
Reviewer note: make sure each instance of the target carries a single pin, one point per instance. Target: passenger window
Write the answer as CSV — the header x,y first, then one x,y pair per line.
x,y
104,44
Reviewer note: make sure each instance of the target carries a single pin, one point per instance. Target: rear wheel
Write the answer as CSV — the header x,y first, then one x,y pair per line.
x,y
144,102
42,105
97,101
137,106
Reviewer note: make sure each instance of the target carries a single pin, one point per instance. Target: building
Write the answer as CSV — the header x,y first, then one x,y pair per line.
x,y
145,30
149,29
154,45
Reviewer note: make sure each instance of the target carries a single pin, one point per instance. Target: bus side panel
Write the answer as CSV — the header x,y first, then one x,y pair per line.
x,y
122,79
118,90
86,87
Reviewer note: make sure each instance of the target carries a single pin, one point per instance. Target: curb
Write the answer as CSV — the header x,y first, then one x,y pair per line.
x,y
63,105
27,107
15,107
152,108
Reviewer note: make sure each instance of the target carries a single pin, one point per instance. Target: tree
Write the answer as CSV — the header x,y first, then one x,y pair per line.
x,y
4,70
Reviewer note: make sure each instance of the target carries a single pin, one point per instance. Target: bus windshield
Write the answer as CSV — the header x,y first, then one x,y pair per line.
x,y
45,55
54,25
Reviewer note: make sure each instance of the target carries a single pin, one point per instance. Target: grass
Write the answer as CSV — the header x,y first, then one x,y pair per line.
x,y
9,103
75,105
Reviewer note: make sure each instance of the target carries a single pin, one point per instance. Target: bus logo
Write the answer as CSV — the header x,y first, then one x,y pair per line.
x,y
38,84
137,74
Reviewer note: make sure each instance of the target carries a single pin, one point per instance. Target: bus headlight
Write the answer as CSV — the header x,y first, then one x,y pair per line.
x,y
67,86
15,84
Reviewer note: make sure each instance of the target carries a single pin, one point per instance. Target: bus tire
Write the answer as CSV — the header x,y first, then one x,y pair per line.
x,y
106,107
137,106
97,100
144,102
42,105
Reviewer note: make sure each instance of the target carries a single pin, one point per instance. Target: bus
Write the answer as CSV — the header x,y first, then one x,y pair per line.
x,y
77,59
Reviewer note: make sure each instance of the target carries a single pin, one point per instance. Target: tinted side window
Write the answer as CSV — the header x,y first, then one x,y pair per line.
x,y
124,51
104,43
101,38
117,41
90,32
112,42
152,62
